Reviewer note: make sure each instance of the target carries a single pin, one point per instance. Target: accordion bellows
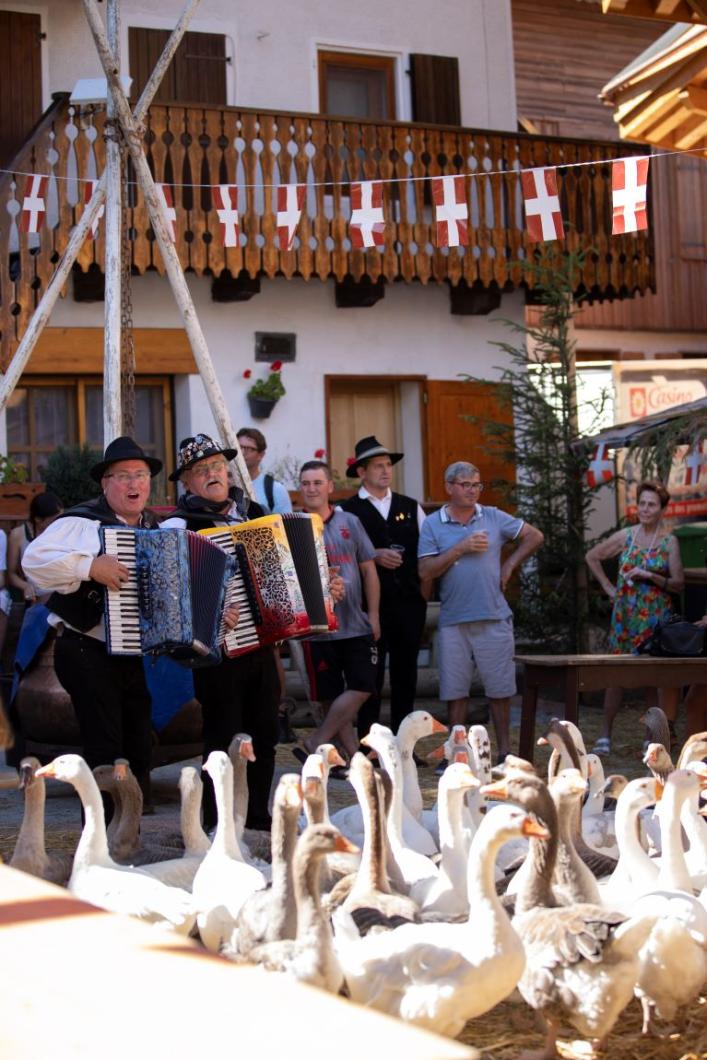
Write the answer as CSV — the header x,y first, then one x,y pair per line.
x,y
288,567
173,602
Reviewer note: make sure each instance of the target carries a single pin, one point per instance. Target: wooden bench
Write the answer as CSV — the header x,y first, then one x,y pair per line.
x,y
573,674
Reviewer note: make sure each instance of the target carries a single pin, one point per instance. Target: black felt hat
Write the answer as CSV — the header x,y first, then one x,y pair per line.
x,y
191,450
124,448
366,449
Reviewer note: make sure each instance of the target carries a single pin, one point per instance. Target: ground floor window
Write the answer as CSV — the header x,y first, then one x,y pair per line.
x,y
46,412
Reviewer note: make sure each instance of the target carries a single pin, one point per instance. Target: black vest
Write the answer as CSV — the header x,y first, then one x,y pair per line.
x,y
400,528
83,609
203,518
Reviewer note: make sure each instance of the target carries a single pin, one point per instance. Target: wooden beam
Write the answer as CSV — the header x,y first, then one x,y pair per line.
x,y
163,235
79,351
692,135
667,8
112,395
694,99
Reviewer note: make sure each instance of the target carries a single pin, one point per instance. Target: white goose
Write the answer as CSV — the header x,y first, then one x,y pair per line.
x,y
96,878
196,841
447,893
635,872
271,914
674,958
224,880
440,975
414,726
349,820
598,824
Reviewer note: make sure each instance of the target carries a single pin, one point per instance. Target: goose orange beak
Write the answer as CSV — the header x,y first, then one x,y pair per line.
x,y
436,754
532,828
459,734
334,758
659,789
542,741
469,780
497,790
437,726
46,771
246,751
345,846
461,756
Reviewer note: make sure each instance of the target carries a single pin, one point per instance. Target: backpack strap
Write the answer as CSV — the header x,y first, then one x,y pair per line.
x,y
269,487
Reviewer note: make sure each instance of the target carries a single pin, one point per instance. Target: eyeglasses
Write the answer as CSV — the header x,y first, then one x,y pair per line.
x,y
469,485
249,449
212,468
124,477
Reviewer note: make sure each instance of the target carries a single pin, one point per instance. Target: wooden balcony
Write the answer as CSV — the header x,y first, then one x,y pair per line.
x,y
193,148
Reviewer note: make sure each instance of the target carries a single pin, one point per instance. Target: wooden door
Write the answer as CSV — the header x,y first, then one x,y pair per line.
x,y
358,408
456,413
21,65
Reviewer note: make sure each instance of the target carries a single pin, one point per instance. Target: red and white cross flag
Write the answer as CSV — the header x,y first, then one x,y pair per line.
x,y
629,190
543,216
367,224
451,213
34,207
226,200
164,194
601,468
290,203
88,191
695,460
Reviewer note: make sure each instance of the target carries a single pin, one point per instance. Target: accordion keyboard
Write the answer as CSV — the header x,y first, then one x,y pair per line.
x,y
122,608
245,635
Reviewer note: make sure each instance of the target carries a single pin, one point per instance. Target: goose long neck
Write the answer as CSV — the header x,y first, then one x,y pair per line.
x,y
371,874
487,917
695,826
451,839
128,809
631,854
225,837
93,844
240,795
195,839
537,885
391,763
283,838
32,827
673,873
307,871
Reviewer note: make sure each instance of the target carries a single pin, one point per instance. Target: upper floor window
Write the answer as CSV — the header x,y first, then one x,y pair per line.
x,y
196,74
357,86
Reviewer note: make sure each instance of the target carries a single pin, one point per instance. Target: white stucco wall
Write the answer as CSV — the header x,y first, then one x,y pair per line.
x,y
410,332
273,45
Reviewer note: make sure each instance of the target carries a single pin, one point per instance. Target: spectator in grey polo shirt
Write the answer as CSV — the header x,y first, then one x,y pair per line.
x,y
461,545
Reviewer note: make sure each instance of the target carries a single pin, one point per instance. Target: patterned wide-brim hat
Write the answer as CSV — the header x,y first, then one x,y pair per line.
x,y
192,450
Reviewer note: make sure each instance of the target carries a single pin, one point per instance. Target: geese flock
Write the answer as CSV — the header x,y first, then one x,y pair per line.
x,y
511,882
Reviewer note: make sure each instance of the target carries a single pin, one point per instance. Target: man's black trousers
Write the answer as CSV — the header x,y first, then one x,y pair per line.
x,y
402,624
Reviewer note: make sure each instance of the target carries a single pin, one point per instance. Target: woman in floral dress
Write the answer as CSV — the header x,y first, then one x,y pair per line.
x,y
650,571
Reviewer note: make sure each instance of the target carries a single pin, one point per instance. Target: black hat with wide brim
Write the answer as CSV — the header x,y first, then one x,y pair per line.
x,y
124,448
366,449
192,450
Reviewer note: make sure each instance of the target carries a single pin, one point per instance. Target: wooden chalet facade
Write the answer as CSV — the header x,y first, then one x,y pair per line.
x,y
382,336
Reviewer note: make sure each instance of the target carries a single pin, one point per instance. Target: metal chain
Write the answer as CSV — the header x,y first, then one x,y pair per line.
x,y
127,342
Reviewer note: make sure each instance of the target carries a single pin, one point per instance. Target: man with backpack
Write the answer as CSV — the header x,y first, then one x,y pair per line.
x,y
270,494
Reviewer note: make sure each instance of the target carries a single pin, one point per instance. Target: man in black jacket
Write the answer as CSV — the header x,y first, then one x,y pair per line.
x,y
108,692
239,694
392,522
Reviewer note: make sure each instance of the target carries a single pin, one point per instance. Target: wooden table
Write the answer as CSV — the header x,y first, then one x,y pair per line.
x,y
573,674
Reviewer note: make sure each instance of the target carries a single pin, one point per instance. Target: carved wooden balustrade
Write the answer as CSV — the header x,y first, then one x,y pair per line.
x,y
194,147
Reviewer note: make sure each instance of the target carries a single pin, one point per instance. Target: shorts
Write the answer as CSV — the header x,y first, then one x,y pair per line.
x,y
333,666
489,646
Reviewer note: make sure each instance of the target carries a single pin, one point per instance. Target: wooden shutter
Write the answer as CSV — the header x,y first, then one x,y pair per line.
x,y
197,73
450,437
435,89
692,207
21,65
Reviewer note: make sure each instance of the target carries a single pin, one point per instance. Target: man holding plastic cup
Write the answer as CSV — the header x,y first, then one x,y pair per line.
x,y
461,545
392,522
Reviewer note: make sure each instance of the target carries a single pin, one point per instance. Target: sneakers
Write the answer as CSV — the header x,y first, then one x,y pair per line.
x,y
602,747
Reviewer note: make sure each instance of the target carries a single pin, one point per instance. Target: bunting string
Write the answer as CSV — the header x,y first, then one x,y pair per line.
x,y
539,189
